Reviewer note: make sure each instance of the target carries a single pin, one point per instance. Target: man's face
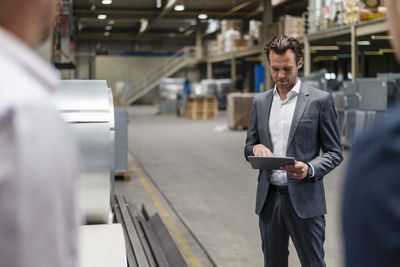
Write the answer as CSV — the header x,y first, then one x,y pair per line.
x,y
48,11
284,69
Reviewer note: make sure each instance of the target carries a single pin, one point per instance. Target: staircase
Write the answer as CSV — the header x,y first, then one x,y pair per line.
x,y
137,89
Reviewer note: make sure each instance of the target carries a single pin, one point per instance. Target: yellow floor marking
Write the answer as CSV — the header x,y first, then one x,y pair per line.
x,y
167,218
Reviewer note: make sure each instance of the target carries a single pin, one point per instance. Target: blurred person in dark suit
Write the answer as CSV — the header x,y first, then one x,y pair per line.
x,y
371,205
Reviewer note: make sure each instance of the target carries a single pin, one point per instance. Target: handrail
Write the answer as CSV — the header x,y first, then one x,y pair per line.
x,y
169,66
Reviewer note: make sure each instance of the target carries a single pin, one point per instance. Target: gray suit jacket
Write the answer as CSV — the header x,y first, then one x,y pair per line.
x,y
313,129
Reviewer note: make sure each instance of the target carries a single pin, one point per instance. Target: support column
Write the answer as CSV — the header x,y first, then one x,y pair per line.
x,y
199,41
266,21
209,70
307,56
354,54
233,70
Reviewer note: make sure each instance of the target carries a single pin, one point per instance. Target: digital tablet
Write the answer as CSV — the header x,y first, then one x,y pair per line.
x,y
270,163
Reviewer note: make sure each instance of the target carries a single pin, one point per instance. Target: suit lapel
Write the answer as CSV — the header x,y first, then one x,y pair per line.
x,y
268,101
302,101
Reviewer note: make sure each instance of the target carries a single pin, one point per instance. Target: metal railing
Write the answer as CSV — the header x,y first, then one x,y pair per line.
x,y
137,89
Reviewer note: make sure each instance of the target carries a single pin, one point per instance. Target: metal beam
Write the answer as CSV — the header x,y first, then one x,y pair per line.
x,y
168,7
239,7
130,36
129,13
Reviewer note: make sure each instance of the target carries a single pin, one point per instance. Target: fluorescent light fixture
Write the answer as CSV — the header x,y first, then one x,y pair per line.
x,y
363,42
111,21
325,48
349,43
106,33
181,29
106,2
381,37
158,4
202,16
102,16
179,7
108,27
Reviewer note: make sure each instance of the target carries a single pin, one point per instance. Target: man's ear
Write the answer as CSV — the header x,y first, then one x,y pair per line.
x,y
300,63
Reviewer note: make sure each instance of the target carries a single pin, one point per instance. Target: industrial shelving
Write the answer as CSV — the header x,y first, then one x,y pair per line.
x,y
355,31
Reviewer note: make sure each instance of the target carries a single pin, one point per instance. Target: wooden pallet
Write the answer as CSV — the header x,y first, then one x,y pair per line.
x,y
126,176
202,107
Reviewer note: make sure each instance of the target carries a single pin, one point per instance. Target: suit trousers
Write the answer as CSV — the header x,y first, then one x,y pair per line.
x,y
278,220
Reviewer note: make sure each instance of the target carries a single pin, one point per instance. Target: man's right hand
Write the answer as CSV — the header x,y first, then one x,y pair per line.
x,y
262,151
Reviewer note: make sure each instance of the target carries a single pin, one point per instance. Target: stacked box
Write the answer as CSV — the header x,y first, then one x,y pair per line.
x,y
220,43
211,47
238,109
231,24
291,26
202,107
230,37
255,29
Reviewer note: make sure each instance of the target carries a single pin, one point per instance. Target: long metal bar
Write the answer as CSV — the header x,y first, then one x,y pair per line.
x,y
134,213
140,256
129,249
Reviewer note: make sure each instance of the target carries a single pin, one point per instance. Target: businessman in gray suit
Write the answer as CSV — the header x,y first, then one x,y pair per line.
x,y
299,121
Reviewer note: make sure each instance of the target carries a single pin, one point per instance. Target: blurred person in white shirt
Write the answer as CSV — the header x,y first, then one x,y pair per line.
x,y
38,156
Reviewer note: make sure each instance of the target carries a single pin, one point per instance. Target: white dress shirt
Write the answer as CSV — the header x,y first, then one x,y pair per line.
x,y
38,164
280,120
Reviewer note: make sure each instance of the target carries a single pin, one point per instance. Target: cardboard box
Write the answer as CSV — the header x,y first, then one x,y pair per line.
x,y
231,24
238,109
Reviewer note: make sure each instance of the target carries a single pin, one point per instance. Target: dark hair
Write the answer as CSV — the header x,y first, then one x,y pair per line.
x,y
280,44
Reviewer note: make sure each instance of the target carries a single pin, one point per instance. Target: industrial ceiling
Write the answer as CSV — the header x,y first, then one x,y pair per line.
x,y
154,19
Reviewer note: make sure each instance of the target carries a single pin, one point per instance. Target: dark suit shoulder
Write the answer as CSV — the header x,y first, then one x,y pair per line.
x,y
262,96
315,92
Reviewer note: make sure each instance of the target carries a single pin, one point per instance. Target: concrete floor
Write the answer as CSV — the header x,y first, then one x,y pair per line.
x,y
197,170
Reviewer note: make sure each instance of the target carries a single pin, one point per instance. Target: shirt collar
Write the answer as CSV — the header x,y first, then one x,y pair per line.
x,y
27,59
293,92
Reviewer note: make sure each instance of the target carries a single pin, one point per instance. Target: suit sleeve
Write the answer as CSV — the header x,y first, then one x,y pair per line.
x,y
252,138
331,155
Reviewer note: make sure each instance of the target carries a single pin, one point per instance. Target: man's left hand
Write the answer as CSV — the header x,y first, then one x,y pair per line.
x,y
298,171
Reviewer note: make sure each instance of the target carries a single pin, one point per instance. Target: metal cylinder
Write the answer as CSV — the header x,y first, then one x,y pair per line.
x,y
87,106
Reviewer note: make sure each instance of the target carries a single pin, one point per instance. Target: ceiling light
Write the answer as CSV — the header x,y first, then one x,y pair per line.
x,y
106,33
102,16
179,7
158,3
106,2
181,29
108,28
202,16
381,37
111,21
363,42
349,43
